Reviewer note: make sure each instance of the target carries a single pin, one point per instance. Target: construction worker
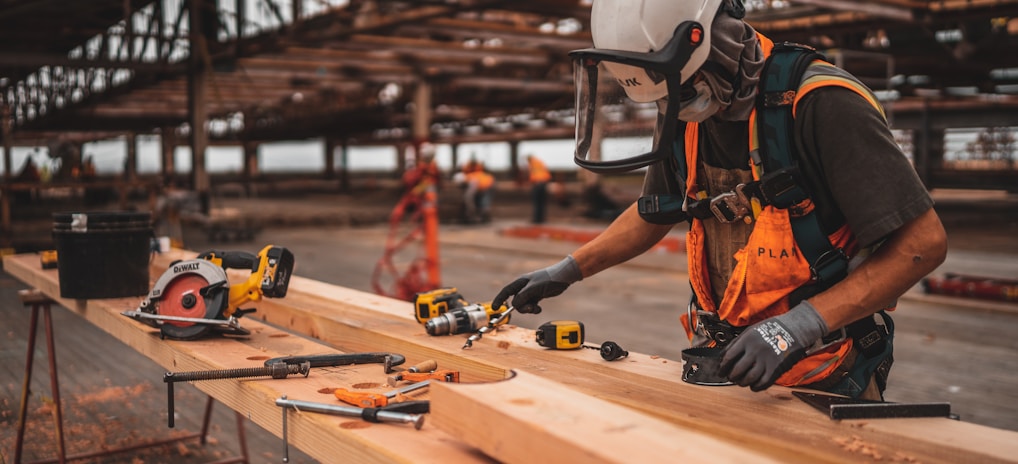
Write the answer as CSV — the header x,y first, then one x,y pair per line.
x,y
477,193
539,176
424,174
802,232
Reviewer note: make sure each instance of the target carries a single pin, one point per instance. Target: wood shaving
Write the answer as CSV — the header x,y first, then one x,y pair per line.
x,y
902,457
113,394
855,444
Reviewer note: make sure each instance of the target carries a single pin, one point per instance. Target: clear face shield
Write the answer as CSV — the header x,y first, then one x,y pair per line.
x,y
631,95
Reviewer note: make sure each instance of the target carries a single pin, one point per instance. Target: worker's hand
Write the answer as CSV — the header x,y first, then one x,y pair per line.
x,y
769,348
543,283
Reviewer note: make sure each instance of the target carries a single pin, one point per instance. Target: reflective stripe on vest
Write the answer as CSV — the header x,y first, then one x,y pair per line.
x,y
771,266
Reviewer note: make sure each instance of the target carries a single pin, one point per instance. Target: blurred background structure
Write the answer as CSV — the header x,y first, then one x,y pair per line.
x,y
304,117
192,78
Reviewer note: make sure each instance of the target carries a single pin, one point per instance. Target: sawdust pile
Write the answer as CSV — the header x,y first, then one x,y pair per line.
x,y
111,418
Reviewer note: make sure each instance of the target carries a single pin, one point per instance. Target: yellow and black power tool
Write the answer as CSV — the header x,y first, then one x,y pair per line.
x,y
444,311
194,297
436,302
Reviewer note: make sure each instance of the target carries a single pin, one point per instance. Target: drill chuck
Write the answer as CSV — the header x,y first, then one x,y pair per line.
x,y
460,320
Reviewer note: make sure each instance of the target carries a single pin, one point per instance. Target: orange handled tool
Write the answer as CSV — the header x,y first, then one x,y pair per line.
x,y
362,399
424,366
441,375
375,400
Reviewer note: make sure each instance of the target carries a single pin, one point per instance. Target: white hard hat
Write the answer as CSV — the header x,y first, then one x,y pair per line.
x,y
427,150
644,26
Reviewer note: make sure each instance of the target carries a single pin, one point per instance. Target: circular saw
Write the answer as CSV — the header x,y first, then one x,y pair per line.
x,y
194,297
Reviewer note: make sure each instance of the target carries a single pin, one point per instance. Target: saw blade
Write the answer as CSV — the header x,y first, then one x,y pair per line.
x,y
182,297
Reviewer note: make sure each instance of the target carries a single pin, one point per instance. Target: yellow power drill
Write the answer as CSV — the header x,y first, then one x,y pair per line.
x,y
444,311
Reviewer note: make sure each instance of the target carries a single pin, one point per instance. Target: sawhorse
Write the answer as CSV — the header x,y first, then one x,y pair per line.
x,y
39,301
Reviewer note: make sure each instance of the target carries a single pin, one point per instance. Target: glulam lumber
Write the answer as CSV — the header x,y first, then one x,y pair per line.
x,y
326,438
528,419
773,422
772,425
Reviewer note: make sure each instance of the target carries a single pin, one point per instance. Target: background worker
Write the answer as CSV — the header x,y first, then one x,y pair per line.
x,y
539,176
479,186
423,174
759,289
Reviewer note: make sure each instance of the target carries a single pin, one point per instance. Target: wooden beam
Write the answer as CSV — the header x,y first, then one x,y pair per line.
x,y
352,320
870,8
508,83
812,22
38,60
529,419
464,27
320,436
771,424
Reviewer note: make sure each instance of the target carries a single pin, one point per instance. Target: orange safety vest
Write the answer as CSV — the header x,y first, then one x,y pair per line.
x,y
482,179
771,265
538,171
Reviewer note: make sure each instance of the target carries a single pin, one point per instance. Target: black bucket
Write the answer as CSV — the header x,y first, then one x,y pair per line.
x,y
103,254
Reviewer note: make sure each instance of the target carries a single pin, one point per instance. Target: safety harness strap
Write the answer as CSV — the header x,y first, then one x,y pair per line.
x,y
669,208
775,124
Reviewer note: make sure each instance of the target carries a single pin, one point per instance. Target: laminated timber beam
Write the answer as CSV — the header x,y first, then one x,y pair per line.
x,y
333,439
326,438
528,419
770,425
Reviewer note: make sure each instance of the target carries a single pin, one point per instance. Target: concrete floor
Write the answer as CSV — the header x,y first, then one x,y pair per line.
x,y
947,349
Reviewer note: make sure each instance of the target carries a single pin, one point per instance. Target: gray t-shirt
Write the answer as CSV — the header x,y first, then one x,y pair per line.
x,y
853,169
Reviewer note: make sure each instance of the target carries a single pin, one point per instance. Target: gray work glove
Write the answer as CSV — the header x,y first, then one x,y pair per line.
x,y
769,348
543,283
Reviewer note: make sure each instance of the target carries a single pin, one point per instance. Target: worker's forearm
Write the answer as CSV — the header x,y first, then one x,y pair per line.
x,y
912,252
625,238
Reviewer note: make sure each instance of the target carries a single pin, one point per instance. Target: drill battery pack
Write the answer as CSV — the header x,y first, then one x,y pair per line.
x,y
434,303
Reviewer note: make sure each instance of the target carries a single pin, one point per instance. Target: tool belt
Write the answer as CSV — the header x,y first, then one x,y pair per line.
x,y
869,337
722,333
702,366
863,364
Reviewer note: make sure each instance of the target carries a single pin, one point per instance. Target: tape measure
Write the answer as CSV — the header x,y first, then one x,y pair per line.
x,y
560,335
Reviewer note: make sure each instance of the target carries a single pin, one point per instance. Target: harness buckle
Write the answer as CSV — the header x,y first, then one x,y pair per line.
x,y
829,265
827,341
727,207
719,331
779,188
